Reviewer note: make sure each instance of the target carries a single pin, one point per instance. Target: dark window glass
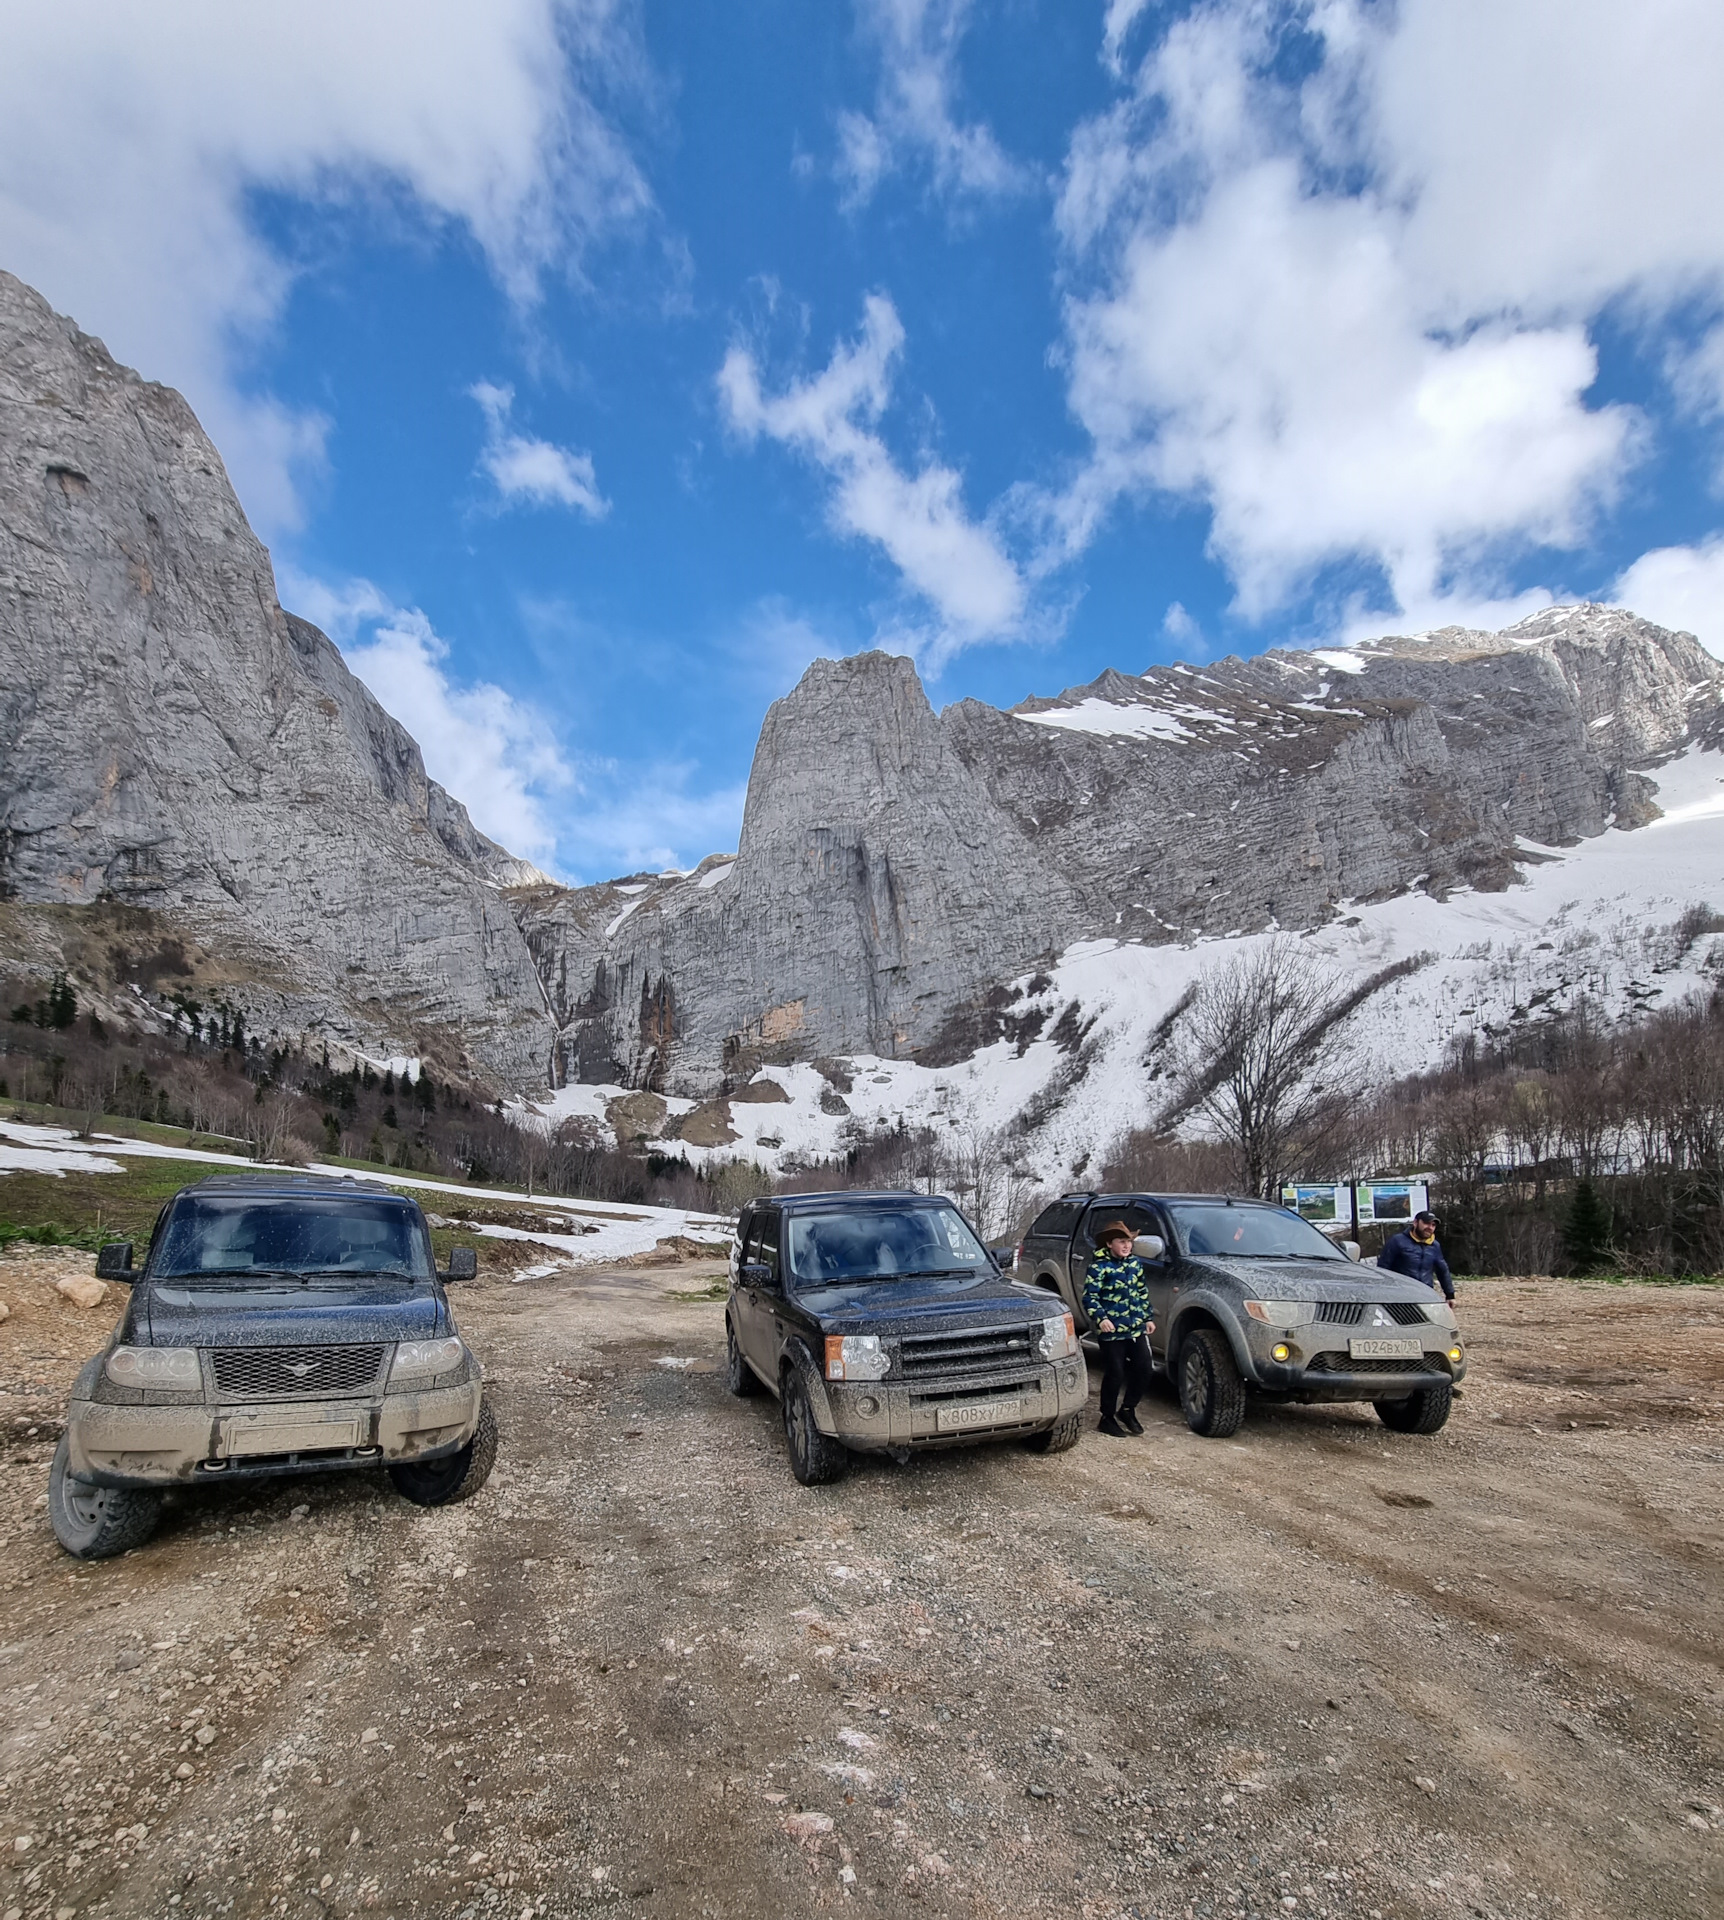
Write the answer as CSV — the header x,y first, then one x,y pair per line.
x,y
1057,1222
232,1237
883,1243
768,1254
1140,1219
1250,1233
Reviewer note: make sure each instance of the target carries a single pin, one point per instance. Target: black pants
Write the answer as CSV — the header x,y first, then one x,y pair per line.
x,y
1124,1363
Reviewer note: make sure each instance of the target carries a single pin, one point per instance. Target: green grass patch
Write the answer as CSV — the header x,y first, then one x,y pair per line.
x,y
714,1290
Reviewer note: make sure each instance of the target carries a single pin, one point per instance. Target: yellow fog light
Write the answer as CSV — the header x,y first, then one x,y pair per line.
x,y
1455,1354
1281,1350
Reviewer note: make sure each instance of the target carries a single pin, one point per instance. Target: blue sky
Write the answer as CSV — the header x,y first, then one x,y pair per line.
x,y
591,367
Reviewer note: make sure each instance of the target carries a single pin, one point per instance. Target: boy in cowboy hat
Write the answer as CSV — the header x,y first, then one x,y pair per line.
x,y
1116,1301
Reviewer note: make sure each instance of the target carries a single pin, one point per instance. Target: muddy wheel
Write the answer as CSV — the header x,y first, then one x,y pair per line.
x,y
1058,1438
1211,1393
815,1457
95,1523
440,1483
1421,1412
739,1376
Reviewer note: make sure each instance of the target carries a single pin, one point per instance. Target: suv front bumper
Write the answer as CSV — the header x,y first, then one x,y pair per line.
x,y
1320,1367
890,1415
175,1444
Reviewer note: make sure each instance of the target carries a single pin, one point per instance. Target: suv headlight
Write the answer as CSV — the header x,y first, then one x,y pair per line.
x,y
856,1356
171,1368
417,1359
1059,1337
1441,1312
1282,1313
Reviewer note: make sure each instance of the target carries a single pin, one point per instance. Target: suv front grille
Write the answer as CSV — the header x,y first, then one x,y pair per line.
x,y
1345,1363
926,1355
1348,1313
257,1373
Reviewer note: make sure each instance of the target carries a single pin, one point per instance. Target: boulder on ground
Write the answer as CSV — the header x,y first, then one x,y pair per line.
x,y
762,1092
82,1290
636,1116
709,1125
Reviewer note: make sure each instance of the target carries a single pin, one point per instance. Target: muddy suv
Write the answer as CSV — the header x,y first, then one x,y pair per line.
x,y
278,1325
1250,1300
884,1325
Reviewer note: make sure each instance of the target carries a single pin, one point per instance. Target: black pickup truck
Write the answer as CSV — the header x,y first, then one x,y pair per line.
x,y
884,1325
1249,1299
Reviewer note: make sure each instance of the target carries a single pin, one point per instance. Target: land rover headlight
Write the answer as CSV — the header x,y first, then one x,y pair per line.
x,y
856,1356
421,1359
1282,1313
171,1368
1059,1337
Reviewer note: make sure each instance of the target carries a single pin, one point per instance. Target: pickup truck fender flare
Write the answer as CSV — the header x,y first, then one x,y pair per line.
x,y
1212,1310
797,1356
1049,1281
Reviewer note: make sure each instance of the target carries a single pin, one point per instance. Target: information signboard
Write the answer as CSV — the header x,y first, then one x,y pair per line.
x,y
1325,1204
1391,1202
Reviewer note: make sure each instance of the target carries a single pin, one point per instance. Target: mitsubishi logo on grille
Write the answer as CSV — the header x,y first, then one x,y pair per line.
x,y
300,1368
1379,1318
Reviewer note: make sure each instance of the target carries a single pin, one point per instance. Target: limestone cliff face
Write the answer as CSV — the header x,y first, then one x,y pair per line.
x,y
170,738
896,871
876,890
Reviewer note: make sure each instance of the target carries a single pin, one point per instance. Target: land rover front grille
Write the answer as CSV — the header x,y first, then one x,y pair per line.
x,y
927,1355
1348,1313
303,1373
1345,1363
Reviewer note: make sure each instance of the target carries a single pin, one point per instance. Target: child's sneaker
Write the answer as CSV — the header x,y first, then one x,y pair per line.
x,y
1108,1424
1129,1420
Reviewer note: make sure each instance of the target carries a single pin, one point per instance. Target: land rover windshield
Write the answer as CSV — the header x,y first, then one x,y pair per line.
x,y
1249,1233
882,1243
229,1238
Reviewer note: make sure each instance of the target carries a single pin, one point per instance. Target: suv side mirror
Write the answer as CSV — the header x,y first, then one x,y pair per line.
x,y
114,1261
463,1264
1149,1246
1350,1248
755,1273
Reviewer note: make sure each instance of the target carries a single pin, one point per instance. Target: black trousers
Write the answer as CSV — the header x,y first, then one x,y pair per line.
x,y
1124,1363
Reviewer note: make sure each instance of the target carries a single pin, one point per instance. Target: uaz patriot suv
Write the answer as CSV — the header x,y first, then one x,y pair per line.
x,y
884,1325
1250,1299
278,1325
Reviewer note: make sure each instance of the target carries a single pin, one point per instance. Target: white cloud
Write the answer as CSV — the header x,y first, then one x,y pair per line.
x,y
1680,587
915,118
536,471
131,139
648,820
1351,312
917,518
494,753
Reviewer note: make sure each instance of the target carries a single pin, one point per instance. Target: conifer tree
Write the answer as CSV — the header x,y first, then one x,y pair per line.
x,y
1586,1231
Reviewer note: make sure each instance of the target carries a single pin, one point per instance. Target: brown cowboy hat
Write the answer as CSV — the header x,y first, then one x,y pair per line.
x,y
1114,1230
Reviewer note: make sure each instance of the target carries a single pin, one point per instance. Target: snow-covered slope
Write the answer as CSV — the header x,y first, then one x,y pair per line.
x,y
1080,1042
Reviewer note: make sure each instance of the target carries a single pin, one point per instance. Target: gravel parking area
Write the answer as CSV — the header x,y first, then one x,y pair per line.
x,y
1321,1669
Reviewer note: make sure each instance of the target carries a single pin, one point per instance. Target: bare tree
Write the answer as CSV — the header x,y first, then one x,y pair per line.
x,y
1263,1062
985,1178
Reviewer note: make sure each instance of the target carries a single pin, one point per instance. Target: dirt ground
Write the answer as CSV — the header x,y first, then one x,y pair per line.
x,y
1321,1669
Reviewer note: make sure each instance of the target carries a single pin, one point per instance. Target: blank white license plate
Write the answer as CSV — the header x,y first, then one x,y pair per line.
x,y
245,1436
979,1413
1385,1349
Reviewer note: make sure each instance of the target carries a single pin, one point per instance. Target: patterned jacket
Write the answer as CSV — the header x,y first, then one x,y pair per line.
x,y
1116,1290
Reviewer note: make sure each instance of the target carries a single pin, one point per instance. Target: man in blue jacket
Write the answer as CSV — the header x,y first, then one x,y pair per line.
x,y
1116,1302
1417,1254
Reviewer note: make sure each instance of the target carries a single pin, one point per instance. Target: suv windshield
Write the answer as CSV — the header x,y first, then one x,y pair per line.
x,y
882,1243
231,1237
1250,1233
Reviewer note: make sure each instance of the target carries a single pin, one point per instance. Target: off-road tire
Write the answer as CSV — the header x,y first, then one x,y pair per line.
x,y
815,1457
95,1523
1211,1393
1058,1438
1421,1412
458,1476
739,1376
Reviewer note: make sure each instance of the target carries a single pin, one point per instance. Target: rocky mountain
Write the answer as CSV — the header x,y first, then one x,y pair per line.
x,y
171,740
910,886
898,869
